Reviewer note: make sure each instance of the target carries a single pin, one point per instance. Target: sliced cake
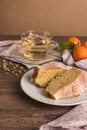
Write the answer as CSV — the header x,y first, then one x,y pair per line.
x,y
71,83
45,73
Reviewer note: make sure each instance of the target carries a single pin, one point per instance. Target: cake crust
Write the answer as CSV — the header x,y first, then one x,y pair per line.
x,y
44,74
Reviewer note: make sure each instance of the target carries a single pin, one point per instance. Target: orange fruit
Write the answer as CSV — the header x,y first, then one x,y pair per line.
x,y
84,44
74,40
79,53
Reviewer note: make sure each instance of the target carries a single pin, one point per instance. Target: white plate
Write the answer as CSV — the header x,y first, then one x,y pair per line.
x,y
39,94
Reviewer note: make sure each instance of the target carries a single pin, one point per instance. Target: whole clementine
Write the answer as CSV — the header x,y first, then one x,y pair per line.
x,y
79,53
74,40
84,44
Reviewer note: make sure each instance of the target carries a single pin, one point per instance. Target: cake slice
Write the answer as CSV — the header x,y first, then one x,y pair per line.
x,y
44,74
71,83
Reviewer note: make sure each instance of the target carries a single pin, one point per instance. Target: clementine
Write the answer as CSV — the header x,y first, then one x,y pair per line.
x,y
79,53
74,40
84,44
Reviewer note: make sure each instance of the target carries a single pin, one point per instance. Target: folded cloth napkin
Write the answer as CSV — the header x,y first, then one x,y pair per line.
x,y
68,59
75,119
13,50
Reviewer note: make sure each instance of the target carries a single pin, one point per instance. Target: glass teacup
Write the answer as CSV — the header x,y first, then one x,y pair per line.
x,y
36,44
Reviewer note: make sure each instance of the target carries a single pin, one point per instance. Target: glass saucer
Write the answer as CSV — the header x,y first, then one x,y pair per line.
x,y
18,54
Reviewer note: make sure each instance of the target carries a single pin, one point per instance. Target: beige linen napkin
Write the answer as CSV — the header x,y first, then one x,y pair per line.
x,y
75,119
11,49
67,59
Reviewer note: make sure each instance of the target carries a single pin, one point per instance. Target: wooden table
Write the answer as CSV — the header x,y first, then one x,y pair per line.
x,y
17,110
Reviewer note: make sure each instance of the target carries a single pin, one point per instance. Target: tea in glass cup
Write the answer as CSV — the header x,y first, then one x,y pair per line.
x,y
36,44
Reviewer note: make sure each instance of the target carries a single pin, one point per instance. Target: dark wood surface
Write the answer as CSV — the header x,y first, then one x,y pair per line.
x,y
17,110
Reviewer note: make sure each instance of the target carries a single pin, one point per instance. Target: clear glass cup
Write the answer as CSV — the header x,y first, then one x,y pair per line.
x,y
36,44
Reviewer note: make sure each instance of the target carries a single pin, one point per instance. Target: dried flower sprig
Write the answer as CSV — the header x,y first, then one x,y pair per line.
x,y
13,68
